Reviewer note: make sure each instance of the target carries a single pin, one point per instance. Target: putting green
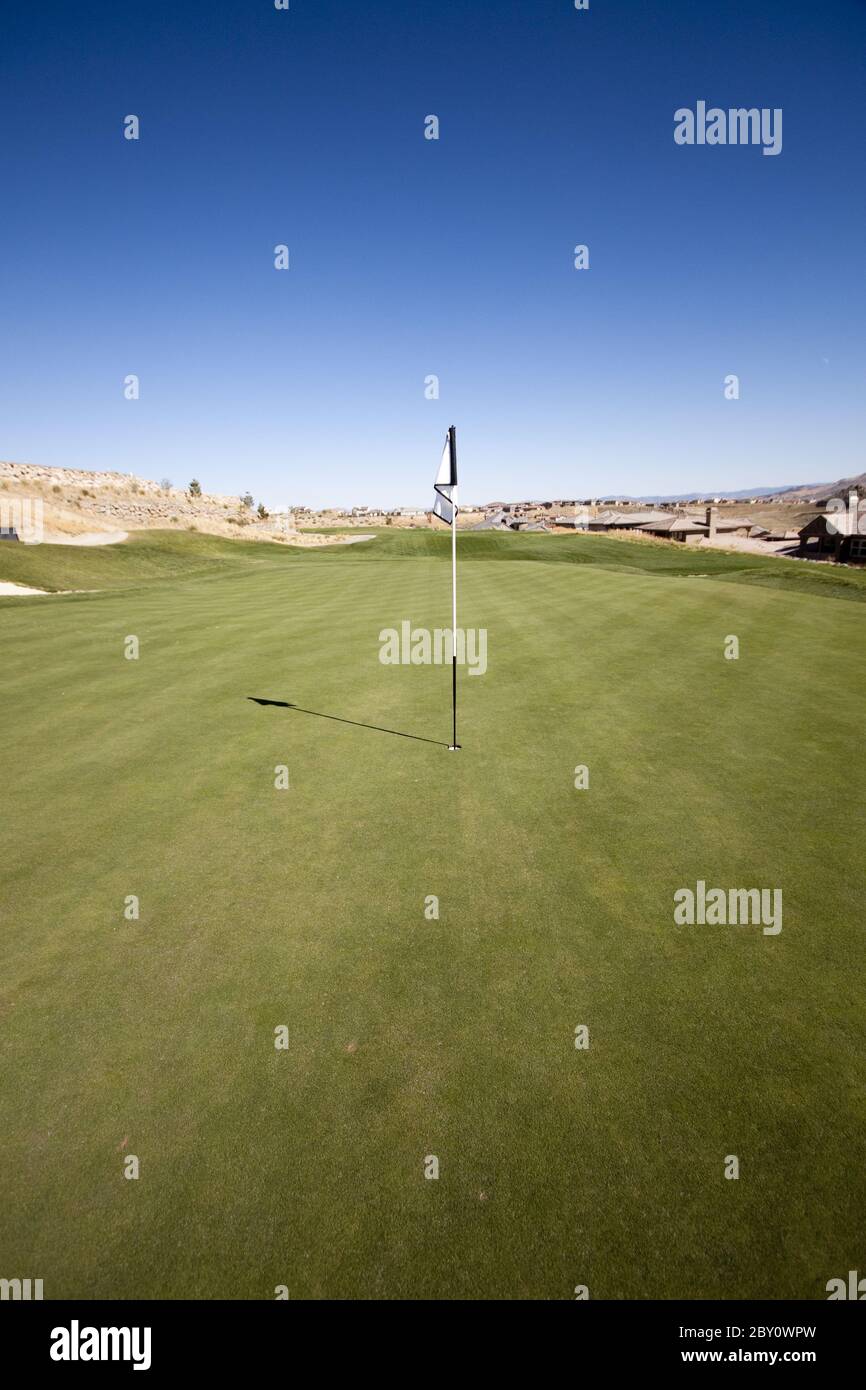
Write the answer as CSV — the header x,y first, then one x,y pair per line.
x,y
411,1037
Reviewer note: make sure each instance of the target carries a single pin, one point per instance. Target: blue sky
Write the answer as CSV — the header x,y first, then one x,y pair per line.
x,y
412,257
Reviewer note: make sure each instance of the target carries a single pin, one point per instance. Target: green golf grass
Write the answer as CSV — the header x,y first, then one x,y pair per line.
x,y
410,1037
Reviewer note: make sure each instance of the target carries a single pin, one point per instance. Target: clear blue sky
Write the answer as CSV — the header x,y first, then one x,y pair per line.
x,y
411,257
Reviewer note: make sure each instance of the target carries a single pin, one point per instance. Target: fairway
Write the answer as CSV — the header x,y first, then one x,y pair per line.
x,y
411,1037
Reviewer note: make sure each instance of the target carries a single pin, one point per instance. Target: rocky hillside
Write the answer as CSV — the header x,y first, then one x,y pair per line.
x,y
78,501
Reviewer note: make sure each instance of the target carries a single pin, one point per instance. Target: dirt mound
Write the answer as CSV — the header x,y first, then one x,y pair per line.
x,y
84,507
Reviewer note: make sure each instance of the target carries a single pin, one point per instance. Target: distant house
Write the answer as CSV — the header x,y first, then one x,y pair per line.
x,y
834,535
773,537
496,521
676,528
503,521
733,525
715,524
609,520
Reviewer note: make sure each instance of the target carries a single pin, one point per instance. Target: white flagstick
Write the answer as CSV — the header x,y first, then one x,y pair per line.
x,y
452,438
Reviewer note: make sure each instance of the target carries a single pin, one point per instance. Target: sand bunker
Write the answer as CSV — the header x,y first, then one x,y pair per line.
x,y
85,538
8,590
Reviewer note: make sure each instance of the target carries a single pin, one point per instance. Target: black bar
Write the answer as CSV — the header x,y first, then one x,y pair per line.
x,y
212,1339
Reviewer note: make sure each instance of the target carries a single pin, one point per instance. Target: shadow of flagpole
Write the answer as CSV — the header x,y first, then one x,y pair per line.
x,y
356,723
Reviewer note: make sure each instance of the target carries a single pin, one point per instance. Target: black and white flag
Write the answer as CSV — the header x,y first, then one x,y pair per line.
x,y
445,486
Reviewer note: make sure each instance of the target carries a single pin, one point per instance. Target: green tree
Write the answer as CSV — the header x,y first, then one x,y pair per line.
x,y
263,512
195,488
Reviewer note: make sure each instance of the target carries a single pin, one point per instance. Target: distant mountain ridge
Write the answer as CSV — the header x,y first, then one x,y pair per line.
x,y
820,492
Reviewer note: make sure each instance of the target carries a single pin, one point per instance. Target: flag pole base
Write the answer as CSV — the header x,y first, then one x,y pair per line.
x,y
454,747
